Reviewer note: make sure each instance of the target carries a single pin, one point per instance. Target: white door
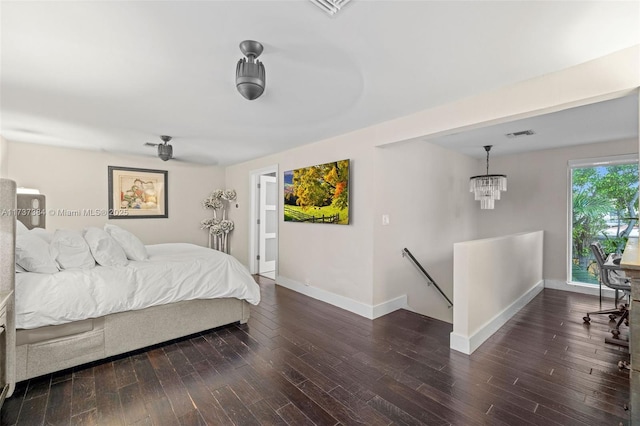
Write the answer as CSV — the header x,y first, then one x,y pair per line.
x,y
268,224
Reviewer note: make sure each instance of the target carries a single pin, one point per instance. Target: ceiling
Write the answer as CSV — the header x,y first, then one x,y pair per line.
x,y
113,75
611,120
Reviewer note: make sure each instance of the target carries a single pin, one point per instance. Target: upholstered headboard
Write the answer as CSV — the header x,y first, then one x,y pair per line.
x,y
7,234
31,209
7,286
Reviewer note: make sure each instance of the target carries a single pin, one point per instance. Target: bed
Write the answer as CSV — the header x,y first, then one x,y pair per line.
x,y
73,317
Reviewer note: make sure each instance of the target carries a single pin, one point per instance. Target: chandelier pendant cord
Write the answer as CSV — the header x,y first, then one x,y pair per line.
x,y
487,161
487,148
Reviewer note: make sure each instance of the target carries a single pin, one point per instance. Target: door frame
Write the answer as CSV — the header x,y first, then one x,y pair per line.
x,y
254,212
266,264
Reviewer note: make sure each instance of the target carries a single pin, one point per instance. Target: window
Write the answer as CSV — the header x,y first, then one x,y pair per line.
x,y
603,207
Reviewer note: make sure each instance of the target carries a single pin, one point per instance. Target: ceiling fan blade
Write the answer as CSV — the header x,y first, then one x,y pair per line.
x,y
165,153
201,161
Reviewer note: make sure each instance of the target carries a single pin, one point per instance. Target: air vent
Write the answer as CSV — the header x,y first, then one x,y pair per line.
x,y
520,134
330,6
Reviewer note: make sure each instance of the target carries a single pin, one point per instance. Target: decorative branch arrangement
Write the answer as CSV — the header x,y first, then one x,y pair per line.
x,y
219,226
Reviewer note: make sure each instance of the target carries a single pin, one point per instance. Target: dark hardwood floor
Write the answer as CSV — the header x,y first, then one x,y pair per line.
x,y
301,362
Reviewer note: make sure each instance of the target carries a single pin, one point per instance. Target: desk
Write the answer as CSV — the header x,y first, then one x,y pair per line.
x,y
631,265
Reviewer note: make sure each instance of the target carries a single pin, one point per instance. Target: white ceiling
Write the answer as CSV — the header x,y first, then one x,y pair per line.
x,y
113,75
604,121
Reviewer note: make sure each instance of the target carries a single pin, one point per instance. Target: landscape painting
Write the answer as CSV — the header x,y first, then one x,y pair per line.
x,y
318,194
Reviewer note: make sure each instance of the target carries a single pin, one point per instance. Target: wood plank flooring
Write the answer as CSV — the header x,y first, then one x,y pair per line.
x,y
302,362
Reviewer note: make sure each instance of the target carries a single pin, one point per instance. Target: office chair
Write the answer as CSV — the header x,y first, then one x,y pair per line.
x,y
612,276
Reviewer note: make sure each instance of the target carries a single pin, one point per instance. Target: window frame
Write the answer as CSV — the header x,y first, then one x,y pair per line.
x,y
611,160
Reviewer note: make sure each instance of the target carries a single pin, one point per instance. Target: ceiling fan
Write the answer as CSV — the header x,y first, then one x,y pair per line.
x,y
165,150
165,153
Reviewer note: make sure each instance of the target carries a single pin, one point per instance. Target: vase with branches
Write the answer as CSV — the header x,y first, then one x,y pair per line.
x,y
219,226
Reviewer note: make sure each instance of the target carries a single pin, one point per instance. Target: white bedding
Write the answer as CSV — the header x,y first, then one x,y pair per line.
x,y
173,272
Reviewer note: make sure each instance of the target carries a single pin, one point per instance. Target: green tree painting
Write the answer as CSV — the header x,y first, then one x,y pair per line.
x,y
318,194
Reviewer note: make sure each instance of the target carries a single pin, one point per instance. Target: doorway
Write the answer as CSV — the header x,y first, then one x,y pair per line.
x,y
264,222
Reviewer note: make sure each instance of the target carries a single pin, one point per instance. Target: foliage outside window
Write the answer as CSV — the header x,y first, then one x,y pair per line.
x,y
604,209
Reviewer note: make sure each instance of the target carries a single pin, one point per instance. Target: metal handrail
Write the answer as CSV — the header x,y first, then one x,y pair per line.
x,y
405,251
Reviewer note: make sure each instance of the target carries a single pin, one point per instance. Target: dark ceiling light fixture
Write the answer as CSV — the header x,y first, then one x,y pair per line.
x,y
487,188
250,74
165,150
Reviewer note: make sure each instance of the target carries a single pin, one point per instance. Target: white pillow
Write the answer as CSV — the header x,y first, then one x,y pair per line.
x,y
132,246
21,227
43,233
33,254
105,250
71,251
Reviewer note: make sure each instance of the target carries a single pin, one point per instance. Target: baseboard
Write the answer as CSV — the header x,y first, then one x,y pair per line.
x,y
460,343
579,288
389,306
346,303
468,344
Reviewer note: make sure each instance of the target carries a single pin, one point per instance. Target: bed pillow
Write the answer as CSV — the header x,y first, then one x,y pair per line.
x,y
105,250
33,254
71,251
43,233
132,246
21,227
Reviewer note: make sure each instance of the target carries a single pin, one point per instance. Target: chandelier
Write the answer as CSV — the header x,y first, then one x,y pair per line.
x,y
487,188
250,74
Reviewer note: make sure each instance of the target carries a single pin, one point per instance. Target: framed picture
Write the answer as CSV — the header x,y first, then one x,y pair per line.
x,y
137,193
317,194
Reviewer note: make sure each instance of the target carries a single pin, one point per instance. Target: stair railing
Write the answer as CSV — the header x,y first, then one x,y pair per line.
x,y
406,252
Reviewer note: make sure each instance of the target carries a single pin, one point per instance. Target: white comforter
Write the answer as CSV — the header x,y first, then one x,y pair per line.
x,y
172,273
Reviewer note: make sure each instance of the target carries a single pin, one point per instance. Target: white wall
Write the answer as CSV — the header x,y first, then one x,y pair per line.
x,y
493,279
75,179
424,189
4,158
537,197
361,262
333,258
